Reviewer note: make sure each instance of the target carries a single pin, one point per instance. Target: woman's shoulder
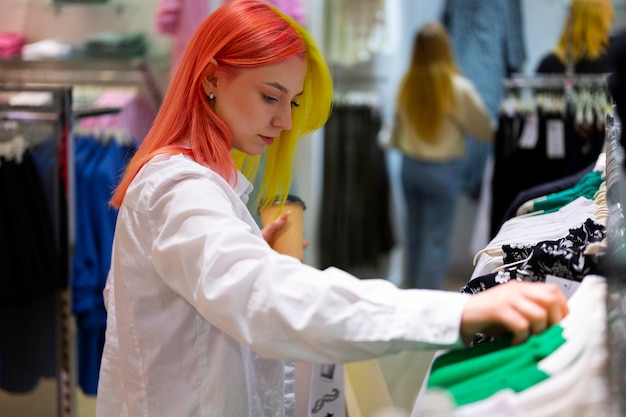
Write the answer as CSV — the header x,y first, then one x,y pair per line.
x,y
463,84
172,165
166,171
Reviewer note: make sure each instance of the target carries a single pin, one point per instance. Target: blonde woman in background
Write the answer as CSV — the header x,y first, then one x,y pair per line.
x,y
436,107
584,39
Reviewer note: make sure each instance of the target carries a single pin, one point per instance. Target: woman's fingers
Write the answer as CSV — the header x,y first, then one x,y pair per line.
x,y
522,308
269,230
535,315
550,299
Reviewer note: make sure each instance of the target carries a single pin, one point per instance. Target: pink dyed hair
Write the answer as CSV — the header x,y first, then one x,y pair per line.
x,y
239,34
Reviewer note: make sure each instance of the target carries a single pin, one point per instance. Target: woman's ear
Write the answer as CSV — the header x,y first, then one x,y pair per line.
x,y
208,85
210,81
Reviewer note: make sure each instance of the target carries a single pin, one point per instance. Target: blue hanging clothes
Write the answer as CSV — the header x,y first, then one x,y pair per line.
x,y
99,166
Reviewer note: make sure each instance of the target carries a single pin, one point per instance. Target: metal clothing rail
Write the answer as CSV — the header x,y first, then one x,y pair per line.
x,y
616,265
26,116
138,73
58,114
555,81
358,98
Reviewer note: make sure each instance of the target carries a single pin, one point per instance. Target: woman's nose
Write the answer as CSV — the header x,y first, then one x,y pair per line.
x,y
282,119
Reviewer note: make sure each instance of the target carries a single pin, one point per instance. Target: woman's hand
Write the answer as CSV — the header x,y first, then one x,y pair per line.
x,y
522,308
271,229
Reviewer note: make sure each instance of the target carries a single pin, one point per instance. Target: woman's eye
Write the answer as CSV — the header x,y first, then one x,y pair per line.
x,y
270,99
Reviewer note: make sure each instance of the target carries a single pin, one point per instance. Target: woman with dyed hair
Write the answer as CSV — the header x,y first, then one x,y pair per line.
x,y
584,40
436,108
202,312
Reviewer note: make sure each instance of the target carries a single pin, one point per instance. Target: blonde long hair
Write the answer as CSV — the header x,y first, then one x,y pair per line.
x,y
426,91
239,34
586,30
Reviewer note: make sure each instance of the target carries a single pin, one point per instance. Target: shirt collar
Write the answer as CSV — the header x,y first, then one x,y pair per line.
x,y
242,187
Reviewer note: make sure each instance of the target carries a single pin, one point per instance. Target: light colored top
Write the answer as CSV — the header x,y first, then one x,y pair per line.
x,y
470,117
202,312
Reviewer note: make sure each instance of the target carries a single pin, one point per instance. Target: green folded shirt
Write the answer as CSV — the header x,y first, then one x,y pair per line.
x,y
473,374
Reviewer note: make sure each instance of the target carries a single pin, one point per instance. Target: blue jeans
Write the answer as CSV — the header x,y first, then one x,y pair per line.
x,y
431,191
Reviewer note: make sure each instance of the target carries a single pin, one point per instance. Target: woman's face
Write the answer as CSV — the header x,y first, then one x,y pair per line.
x,y
256,103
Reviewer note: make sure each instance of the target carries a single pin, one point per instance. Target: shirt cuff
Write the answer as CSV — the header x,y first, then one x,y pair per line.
x,y
432,317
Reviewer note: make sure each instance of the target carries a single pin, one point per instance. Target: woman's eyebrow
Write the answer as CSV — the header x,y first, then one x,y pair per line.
x,y
280,87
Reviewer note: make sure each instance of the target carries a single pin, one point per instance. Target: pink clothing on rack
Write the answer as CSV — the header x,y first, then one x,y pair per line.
x,y
11,44
292,8
135,116
181,18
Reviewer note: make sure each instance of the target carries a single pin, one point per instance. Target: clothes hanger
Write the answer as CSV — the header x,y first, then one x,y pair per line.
x,y
14,149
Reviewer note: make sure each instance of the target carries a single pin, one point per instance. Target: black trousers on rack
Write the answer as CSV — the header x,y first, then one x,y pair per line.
x,y
355,223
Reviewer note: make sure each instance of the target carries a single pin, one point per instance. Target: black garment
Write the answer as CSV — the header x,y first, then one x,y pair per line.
x,y
517,169
31,266
29,345
355,223
606,63
563,258
29,258
617,81
546,188
552,64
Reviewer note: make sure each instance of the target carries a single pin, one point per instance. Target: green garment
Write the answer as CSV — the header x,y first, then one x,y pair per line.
x,y
586,187
473,374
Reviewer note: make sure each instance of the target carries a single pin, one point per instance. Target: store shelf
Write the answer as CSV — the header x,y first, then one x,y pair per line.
x,y
143,73
59,6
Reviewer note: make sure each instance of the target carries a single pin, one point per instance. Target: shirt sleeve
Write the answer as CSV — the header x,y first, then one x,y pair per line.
x,y
209,253
473,114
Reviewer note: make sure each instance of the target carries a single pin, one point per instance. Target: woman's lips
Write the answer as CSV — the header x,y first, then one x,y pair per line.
x,y
268,140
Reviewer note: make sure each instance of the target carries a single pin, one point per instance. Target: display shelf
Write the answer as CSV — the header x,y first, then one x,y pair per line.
x,y
58,6
145,73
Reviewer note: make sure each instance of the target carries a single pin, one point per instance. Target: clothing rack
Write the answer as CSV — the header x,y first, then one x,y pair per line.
x,y
362,78
555,81
543,124
367,98
616,277
65,80
58,114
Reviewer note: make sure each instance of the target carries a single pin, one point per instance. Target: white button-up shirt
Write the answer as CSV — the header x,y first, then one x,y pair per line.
x,y
202,312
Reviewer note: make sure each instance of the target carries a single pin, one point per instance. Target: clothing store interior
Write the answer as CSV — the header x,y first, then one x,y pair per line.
x,y
81,80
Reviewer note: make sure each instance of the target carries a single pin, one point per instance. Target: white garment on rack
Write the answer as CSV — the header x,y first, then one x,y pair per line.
x,y
358,30
576,387
32,98
13,150
534,228
47,48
